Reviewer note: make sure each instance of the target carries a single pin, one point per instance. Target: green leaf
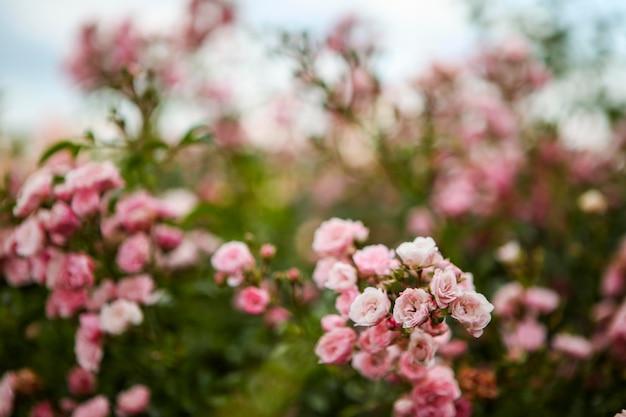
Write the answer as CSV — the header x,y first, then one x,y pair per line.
x,y
199,134
73,147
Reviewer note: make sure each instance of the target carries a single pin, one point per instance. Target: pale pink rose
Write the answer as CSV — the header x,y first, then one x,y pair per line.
x,y
7,394
335,347
335,237
204,241
372,365
17,271
87,346
376,338
97,176
67,405
101,295
332,321
375,260
29,237
435,330
233,258
80,381
70,271
466,282
404,407
65,302
453,349
185,255
267,251
139,289
133,401
252,300
370,307
42,409
410,369
473,311
276,316
438,388
542,300
341,277
575,346
422,348
320,274
85,202
420,253
96,407
613,281
345,300
413,307
138,212
506,300
60,219
509,253
39,264
179,202
116,317
528,336
617,327
443,287
36,189
420,221
622,414
167,237
134,253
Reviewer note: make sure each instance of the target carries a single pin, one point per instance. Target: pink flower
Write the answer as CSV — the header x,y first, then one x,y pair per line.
x,y
85,202
443,287
335,347
167,237
341,277
473,311
613,281
376,338
70,271
410,369
375,260
528,336
96,407
139,211
267,251
413,307
617,327
420,253
622,414
322,268
332,321
42,409
575,346
7,394
422,348
439,389
36,189
420,221
233,258
542,300
370,307
335,237
252,300
60,219
345,300
29,237
134,253
116,317
133,401
101,295
65,302
97,176
506,299
276,316
80,381
404,407
372,365
87,346
138,289
16,271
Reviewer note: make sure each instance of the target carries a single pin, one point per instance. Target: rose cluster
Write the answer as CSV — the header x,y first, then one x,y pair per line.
x,y
392,309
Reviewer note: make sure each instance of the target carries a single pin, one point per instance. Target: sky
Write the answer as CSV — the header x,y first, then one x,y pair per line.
x,y
37,36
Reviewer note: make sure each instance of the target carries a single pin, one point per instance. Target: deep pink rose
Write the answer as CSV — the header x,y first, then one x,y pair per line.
x,y
85,202
70,271
252,300
80,381
42,409
335,347
167,237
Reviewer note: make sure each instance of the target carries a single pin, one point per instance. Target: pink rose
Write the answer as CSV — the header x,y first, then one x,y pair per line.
x,y
233,258
36,189
134,253
370,307
335,347
422,348
575,346
96,407
443,287
542,300
376,338
332,321
29,237
276,316
404,407
167,237
528,336
17,271
473,311
80,381
7,394
252,300
506,300
375,260
65,302
87,347
335,237
613,281
138,212
42,409
70,271
322,268
116,317
372,365
184,255
101,295
341,277
139,289
60,219
345,300
133,401
438,389
413,307
97,176
85,202
410,369
420,253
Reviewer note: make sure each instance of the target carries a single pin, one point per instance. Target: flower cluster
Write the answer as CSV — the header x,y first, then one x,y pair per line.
x,y
397,302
